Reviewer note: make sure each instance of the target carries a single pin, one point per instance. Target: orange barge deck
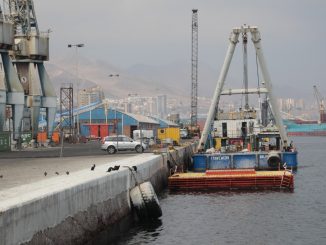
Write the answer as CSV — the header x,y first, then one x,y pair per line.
x,y
246,179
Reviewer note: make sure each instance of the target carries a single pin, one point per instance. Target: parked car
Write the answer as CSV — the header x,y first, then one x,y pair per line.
x,y
112,144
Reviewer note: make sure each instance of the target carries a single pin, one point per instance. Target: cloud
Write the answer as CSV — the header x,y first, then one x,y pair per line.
x,y
128,32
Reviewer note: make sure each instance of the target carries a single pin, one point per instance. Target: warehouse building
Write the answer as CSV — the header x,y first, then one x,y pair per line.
x,y
100,122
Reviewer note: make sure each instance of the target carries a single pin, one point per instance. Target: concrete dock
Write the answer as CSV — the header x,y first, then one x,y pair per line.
x,y
70,209
21,171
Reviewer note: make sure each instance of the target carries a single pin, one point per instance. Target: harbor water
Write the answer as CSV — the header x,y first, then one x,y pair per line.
x,y
244,217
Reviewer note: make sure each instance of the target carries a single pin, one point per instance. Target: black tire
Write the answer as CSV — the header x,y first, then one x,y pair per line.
x,y
139,149
151,201
111,150
145,202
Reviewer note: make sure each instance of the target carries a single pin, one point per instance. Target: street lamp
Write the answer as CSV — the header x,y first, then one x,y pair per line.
x,y
76,46
89,103
114,75
116,121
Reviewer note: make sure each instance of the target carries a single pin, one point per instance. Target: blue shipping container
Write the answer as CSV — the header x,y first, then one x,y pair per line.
x,y
290,158
200,162
244,161
219,161
262,161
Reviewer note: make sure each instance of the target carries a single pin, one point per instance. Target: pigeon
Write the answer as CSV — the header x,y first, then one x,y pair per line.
x,y
93,167
135,168
45,173
109,169
56,173
116,167
1,176
67,172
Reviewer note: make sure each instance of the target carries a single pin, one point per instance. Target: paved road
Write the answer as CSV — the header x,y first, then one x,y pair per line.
x,y
91,148
29,165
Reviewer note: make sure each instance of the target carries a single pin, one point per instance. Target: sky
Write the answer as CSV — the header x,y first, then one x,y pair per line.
x,y
158,32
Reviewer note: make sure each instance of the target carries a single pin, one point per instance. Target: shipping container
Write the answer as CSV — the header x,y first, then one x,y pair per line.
x,y
200,162
218,161
166,134
144,134
244,160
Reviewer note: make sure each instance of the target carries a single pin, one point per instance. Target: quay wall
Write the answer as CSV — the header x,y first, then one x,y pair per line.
x,y
72,209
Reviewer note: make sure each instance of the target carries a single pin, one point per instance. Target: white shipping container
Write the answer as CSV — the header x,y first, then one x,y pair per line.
x,y
144,134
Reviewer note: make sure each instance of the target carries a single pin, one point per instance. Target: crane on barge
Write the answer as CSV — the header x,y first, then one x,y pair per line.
x,y
214,108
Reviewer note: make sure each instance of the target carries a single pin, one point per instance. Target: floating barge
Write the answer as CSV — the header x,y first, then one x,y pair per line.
x,y
239,179
245,148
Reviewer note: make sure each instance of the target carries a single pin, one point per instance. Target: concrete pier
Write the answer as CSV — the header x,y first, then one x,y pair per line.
x,y
71,209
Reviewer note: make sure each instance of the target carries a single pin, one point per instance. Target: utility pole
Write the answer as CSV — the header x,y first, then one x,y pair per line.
x,y
194,68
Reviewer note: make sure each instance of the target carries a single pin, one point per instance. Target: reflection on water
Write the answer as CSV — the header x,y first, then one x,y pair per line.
x,y
145,232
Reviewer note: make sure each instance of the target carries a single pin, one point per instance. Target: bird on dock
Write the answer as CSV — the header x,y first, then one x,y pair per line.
x,y
135,168
109,169
56,173
93,167
116,167
67,172
45,173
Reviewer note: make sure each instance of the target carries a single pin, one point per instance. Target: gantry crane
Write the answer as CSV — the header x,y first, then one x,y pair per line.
x,y
30,50
321,104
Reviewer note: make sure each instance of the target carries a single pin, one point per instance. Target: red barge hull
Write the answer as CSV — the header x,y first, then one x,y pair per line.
x,y
248,179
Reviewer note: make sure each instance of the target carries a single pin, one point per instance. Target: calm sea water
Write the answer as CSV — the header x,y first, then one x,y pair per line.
x,y
246,218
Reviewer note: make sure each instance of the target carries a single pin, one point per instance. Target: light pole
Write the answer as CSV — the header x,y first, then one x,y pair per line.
x,y
90,109
106,107
116,121
76,46
114,75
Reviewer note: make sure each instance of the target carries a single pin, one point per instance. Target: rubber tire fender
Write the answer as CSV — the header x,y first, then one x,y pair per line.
x,y
145,201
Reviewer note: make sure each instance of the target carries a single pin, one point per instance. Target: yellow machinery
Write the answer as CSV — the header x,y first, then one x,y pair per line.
x,y
218,143
169,135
